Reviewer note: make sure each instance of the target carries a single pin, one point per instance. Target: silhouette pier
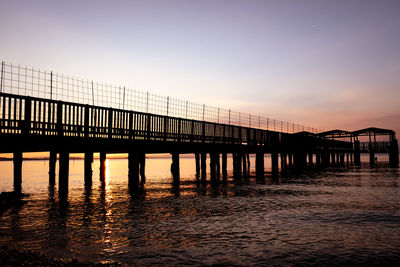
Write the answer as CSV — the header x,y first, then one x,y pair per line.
x,y
29,124
33,124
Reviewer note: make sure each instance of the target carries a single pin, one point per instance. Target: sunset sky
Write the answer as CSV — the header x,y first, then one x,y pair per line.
x,y
325,64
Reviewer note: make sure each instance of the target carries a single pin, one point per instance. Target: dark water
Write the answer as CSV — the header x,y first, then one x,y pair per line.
x,y
345,216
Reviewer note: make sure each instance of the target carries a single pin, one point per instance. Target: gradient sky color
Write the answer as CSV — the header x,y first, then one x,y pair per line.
x,y
326,64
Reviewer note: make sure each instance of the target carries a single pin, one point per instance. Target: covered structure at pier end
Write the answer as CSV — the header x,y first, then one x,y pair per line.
x,y
370,140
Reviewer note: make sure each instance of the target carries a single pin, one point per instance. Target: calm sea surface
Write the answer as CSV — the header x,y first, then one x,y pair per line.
x,y
343,216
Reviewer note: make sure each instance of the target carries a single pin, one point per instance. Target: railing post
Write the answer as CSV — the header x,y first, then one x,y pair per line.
x,y
192,132
179,129
51,85
165,128
203,131
148,126
86,121
131,130
59,118
110,120
2,77
27,116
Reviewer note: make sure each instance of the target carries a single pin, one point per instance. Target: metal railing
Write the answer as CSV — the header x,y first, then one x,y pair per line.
x,y
19,80
380,146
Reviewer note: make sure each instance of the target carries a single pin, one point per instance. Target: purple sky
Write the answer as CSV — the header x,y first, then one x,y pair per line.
x,y
326,64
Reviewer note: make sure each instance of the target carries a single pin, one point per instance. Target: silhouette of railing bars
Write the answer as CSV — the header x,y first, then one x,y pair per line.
x,y
19,80
380,146
30,116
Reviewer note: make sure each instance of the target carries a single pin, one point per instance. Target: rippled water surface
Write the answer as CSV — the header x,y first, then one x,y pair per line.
x,y
338,216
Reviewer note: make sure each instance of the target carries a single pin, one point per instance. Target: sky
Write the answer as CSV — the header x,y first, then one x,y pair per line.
x,y
324,64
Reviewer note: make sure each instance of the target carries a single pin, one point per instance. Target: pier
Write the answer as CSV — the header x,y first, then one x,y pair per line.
x,y
38,124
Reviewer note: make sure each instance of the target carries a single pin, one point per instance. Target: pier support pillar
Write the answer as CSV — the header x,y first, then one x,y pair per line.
x,y
394,154
260,166
341,158
52,167
218,163
197,160
310,160
203,162
290,159
133,171
142,167
63,172
213,167
103,157
283,161
175,168
300,160
348,158
333,158
357,157
371,156
237,166
17,160
317,158
224,166
274,162
244,163
88,168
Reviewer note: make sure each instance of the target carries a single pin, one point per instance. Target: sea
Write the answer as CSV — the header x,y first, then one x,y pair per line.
x,y
336,216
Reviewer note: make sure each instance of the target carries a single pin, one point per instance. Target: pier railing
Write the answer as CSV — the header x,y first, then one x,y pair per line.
x,y
28,116
382,146
19,80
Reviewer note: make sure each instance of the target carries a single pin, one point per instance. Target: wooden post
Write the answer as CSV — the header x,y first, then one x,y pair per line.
x,y
341,158
224,166
133,171
17,160
203,162
218,165
244,163
260,165
142,167
52,167
283,161
290,159
357,157
175,168
274,161
27,116
317,158
197,160
212,167
103,158
110,123
394,154
238,175
333,160
310,159
88,168
63,173
371,155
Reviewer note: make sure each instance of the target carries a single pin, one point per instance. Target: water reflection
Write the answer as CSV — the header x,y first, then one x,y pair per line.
x,y
300,216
